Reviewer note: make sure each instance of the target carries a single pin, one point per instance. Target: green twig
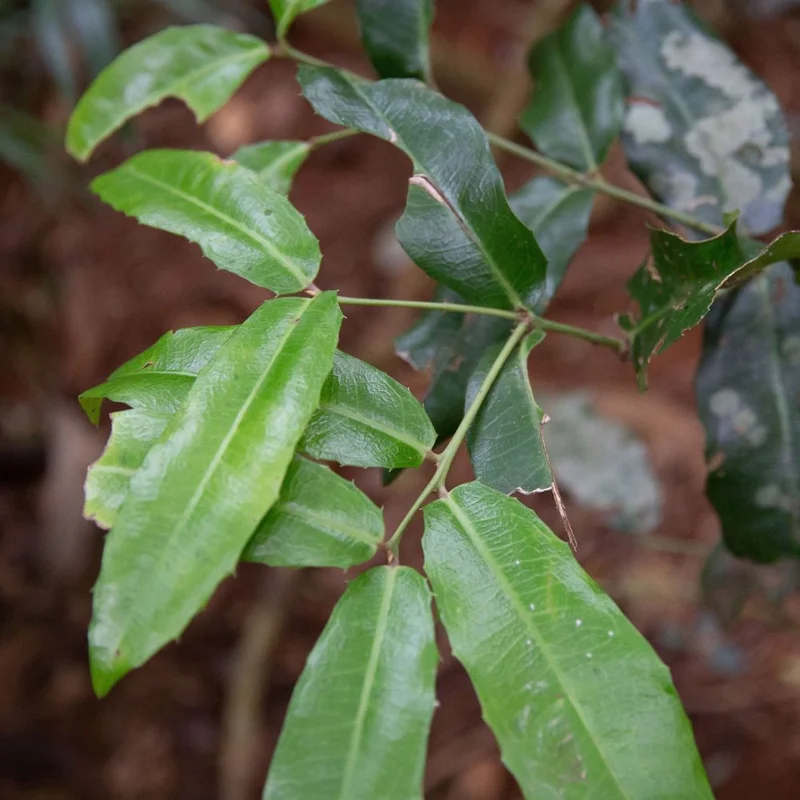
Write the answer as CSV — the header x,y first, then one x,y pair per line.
x,y
334,136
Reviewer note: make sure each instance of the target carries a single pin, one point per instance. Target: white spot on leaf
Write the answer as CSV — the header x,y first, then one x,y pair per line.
x,y
647,124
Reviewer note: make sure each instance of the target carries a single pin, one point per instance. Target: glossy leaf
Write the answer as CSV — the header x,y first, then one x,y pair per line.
x,y
200,64
160,377
580,704
367,419
577,106
357,725
274,162
457,225
287,11
704,134
505,441
209,480
748,385
395,35
240,224
320,520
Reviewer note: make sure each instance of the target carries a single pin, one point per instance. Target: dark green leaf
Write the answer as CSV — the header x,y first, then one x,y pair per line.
x,y
505,441
274,162
580,704
367,419
785,248
200,64
577,107
209,480
357,725
748,386
240,224
704,134
320,520
395,34
458,225
286,11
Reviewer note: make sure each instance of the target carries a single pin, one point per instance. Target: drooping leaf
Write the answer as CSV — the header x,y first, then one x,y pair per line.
x,y
159,378
558,215
785,248
748,385
319,520
457,225
395,35
274,162
367,419
357,725
505,441
200,64
704,134
675,292
577,106
287,11
209,480
580,704
240,224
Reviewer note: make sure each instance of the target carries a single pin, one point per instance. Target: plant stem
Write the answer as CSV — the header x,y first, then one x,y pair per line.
x,y
620,345
334,136
446,459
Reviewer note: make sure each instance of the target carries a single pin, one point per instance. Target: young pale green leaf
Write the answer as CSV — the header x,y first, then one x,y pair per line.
x,y
395,35
580,704
240,224
209,480
704,134
357,725
276,163
457,225
748,383
677,290
319,520
558,215
200,64
505,441
577,107
160,377
367,419
287,11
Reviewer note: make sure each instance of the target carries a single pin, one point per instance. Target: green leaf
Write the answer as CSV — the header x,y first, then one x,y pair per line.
x,y
200,64
395,35
785,248
577,107
274,162
367,419
287,11
357,725
160,377
676,291
505,441
52,38
748,384
95,26
580,704
558,215
210,479
457,225
240,224
704,134
320,520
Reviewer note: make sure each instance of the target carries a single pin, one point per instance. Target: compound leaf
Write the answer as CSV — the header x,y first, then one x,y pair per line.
x,y
200,64
240,224
287,11
580,704
276,163
577,107
209,480
357,725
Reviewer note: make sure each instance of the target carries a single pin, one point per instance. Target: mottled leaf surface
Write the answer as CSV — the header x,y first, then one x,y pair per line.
x,y
319,520
367,419
457,225
704,134
357,724
200,64
395,34
240,224
505,441
748,386
209,480
580,704
287,11
577,109
276,163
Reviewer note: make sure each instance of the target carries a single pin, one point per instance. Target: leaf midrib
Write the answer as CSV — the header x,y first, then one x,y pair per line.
x,y
321,522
